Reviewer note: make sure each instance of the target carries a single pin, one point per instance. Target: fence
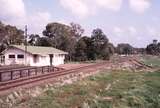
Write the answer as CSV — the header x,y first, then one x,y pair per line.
x,y
12,74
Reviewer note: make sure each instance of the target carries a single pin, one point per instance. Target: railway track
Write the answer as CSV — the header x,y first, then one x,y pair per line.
x,y
141,64
33,79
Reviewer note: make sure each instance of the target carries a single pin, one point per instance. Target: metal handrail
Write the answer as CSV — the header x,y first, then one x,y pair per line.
x,y
28,71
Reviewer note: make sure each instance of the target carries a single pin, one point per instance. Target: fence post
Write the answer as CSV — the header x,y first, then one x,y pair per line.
x,y
48,69
53,68
20,73
0,77
42,70
36,70
11,75
28,72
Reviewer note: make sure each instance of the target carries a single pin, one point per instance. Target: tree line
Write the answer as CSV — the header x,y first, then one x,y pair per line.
x,y
153,48
70,38
10,35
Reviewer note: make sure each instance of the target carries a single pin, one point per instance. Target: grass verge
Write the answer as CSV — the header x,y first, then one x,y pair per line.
x,y
151,60
116,89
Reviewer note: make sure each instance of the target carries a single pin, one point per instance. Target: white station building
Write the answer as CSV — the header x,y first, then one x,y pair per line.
x,y
32,56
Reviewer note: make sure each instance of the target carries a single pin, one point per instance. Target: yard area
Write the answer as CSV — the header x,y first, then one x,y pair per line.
x,y
151,60
109,89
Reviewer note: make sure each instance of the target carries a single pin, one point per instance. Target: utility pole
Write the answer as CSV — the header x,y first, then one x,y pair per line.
x,y
25,44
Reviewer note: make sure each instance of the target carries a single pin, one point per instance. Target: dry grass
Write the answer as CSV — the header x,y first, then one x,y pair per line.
x,y
118,89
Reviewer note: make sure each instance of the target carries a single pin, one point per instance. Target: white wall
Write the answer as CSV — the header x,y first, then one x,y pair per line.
x,y
58,59
9,61
44,60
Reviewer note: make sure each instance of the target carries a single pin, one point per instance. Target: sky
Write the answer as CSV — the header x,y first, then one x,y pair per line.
x,y
123,21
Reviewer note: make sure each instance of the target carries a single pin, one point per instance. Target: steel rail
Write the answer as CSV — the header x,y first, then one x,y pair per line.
x,y
29,80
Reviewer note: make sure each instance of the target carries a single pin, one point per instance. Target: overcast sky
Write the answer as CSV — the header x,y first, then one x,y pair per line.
x,y
128,21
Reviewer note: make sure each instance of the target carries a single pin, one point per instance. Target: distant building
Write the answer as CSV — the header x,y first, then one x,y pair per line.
x,y
33,56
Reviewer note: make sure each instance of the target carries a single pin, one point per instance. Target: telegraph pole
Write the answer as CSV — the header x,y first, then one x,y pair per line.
x,y
25,44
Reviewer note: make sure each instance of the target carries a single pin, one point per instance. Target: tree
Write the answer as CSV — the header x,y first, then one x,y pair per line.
x,y
89,48
43,41
10,35
33,39
80,50
14,35
3,40
84,49
57,33
76,30
124,49
2,31
155,41
99,37
111,48
100,43
105,53
62,37
153,48
139,50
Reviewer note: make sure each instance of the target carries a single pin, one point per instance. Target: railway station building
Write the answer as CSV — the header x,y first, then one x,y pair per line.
x,y
32,56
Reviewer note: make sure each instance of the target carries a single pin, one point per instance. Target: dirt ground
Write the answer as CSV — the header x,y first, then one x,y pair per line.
x,y
73,66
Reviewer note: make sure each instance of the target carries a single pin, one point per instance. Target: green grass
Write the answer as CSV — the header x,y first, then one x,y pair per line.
x,y
152,61
119,89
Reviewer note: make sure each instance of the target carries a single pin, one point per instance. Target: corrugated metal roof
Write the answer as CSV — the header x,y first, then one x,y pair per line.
x,y
39,50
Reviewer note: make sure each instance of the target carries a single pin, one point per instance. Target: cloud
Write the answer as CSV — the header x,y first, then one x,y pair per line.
x,y
84,8
125,35
13,12
132,30
138,37
118,31
153,32
36,22
114,5
11,8
77,7
140,6
121,31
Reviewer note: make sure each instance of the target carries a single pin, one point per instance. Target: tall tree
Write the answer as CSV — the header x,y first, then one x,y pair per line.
x,y
111,48
153,48
124,49
33,38
62,37
57,33
14,35
99,41
76,30
10,35
84,49
43,41
80,50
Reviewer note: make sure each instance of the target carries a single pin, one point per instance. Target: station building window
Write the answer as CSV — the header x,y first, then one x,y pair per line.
x,y
20,56
12,56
